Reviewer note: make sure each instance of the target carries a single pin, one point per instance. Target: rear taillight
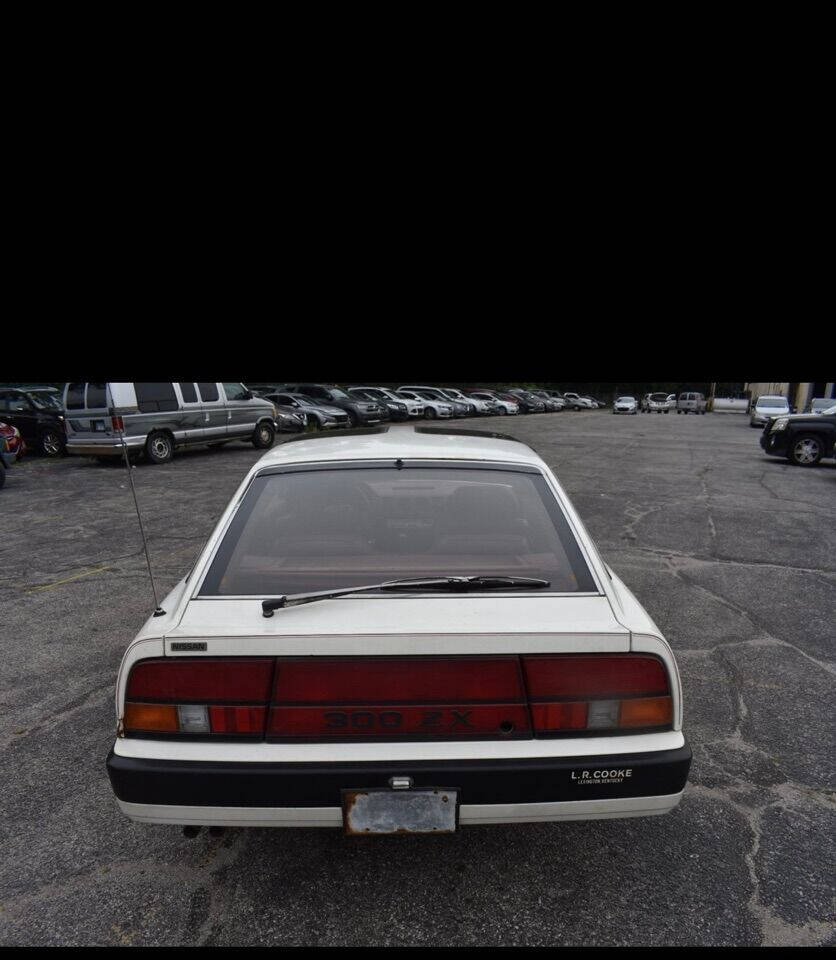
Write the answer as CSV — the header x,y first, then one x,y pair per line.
x,y
118,423
199,697
428,698
599,692
397,698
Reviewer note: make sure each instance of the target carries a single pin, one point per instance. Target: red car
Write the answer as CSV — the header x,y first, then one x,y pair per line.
x,y
14,441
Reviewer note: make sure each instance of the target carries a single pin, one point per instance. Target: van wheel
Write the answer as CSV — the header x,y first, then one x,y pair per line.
x,y
49,443
159,448
806,450
429,413
264,436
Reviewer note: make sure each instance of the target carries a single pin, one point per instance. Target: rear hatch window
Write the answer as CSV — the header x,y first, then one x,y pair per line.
x,y
300,531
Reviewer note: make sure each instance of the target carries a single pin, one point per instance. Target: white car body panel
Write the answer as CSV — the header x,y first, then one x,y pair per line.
x,y
611,620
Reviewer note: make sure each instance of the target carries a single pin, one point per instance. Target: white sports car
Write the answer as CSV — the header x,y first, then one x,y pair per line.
x,y
408,633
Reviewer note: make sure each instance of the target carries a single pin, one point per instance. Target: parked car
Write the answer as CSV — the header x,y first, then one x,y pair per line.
x,y
803,438
558,397
625,405
158,418
15,444
526,402
691,403
433,405
318,416
361,413
658,403
38,414
820,404
397,408
410,634
476,408
766,407
532,404
575,401
551,404
414,408
504,408
262,389
460,407
289,420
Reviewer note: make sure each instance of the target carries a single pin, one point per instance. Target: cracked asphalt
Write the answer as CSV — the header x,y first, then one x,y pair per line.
x,y
731,552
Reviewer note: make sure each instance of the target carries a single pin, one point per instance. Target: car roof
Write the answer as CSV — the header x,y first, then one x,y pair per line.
x,y
400,442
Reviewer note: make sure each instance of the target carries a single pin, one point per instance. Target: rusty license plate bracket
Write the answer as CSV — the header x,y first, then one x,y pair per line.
x,y
384,811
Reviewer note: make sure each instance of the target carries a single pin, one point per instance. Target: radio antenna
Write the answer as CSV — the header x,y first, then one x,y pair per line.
x,y
119,423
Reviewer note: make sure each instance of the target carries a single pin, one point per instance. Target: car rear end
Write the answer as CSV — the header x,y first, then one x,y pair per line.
x,y
282,740
386,713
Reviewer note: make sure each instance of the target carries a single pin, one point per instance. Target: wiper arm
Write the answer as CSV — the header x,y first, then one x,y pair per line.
x,y
417,583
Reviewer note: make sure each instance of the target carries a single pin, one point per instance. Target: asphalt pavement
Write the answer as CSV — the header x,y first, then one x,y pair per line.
x,y
731,552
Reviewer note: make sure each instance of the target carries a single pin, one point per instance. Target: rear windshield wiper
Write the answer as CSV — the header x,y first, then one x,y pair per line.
x,y
457,583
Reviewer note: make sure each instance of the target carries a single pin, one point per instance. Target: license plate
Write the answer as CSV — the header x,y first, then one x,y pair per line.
x,y
97,424
399,811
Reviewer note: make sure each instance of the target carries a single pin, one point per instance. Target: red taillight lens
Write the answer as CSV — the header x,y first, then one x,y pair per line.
x,y
201,680
597,693
600,675
237,719
118,423
424,680
192,696
378,698
398,698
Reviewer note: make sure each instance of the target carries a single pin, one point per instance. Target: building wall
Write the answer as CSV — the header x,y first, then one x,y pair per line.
x,y
798,394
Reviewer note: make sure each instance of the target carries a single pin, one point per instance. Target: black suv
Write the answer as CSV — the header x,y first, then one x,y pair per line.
x,y
360,412
803,439
39,415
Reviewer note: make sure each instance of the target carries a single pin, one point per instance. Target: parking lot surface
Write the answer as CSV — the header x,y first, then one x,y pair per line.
x,y
731,552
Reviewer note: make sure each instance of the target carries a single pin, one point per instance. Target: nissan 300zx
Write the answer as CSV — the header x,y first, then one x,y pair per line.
x,y
398,630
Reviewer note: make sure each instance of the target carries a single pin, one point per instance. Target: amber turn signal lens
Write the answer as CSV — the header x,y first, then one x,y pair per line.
x,y
645,712
150,716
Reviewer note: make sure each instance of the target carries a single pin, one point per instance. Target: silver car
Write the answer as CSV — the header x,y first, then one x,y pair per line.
x,y
625,405
766,407
156,418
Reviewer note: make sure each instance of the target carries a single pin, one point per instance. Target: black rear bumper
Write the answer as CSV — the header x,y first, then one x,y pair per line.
x,y
191,783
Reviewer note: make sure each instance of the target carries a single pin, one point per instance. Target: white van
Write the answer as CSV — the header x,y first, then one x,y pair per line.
x,y
156,418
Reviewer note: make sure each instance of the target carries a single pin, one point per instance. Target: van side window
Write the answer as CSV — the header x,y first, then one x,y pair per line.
x,y
208,391
189,392
234,391
75,396
151,397
96,397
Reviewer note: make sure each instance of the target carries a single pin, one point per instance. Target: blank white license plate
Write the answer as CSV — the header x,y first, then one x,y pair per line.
x,y
399,811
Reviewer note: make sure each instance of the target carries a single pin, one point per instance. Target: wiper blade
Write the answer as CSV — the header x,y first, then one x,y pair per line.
x,y
416,583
